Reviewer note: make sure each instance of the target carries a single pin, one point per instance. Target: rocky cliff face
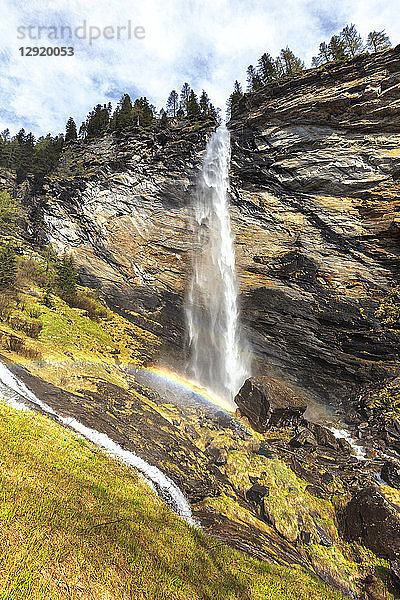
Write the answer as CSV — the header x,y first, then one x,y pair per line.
x,y
315,167
315,170
119,205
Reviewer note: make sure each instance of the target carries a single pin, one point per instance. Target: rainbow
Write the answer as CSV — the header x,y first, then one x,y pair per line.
x,y
190,386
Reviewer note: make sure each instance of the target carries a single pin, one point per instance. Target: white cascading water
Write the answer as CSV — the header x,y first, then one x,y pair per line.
x,y
14,392
220,358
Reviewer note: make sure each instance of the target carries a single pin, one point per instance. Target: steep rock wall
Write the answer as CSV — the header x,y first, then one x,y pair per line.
x,y
315,209
315,168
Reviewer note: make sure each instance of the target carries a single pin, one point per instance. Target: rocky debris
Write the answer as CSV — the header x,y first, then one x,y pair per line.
x,y
390,473
267,403
374,521
304,438
217,455
256,493
317,491
324,539
262,450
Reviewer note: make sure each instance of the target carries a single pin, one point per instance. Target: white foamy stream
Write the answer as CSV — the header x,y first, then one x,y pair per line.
x,y
220,359
14,392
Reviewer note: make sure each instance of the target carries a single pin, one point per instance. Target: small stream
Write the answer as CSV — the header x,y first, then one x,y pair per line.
x,y
18,396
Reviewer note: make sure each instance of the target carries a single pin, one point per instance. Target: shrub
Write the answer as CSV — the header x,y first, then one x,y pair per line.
x,y
389,309
31,327
387,399
94,309
6,306
31,271
46,298
8,266
34,312
17,345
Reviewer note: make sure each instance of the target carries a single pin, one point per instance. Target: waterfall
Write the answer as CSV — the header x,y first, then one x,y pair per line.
x,y
220,358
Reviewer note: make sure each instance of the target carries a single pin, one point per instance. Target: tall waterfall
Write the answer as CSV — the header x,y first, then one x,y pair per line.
x,y
220,359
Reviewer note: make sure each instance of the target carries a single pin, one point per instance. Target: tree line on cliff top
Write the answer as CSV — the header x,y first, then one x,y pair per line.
x,y
25,154
38,157
347,44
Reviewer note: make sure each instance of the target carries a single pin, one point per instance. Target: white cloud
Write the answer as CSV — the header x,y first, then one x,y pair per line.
x,y
209,43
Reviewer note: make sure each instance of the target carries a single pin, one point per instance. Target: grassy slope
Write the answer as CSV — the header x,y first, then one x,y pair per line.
x,y
76,524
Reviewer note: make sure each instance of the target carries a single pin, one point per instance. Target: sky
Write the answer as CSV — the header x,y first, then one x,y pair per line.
x,y
208,43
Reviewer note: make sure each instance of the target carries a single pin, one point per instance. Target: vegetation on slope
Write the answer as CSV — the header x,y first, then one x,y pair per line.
x,y
76,524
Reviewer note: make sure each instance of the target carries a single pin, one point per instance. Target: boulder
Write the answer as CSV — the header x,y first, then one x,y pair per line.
x,y
323,436
266,402
256,493
303,438
217,456
390,473
373,520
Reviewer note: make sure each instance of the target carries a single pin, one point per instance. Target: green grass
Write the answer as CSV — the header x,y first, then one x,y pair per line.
x,y
76,524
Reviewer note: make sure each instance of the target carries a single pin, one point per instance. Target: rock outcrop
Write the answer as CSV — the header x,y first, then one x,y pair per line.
x,y
375,521
390,473
266,402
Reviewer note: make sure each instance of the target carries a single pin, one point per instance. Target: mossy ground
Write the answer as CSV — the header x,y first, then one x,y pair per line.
x,y
293,509
76,524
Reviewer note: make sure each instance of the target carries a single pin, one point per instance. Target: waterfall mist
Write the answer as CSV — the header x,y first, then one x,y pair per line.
x,y
220,357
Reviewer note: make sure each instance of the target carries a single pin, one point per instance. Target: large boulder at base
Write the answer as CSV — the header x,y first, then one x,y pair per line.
x,y
373,520
266,402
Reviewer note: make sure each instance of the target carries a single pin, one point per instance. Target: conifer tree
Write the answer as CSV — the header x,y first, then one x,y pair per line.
x,y
291,63
46,156
66,277
8,214
193,108
70,131
142,112
378,41
337,48
236,95
213,113
172,104
204,104
253,79
97,120
185,94
122,116
352,40
266,68
163,121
